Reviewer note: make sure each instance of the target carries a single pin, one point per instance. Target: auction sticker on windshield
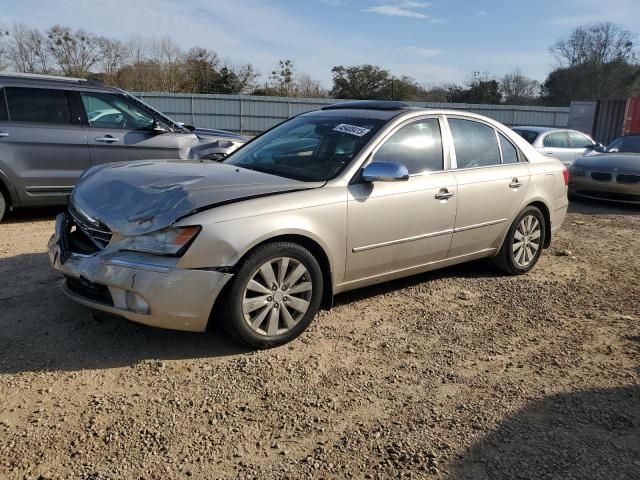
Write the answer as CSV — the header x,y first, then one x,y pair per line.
x,y
352,130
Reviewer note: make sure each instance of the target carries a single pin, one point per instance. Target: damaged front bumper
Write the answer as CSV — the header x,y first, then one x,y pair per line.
x,y
142,288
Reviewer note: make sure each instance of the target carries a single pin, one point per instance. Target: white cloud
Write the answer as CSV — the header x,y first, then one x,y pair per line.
x,y
401,8
482,13
394,11
420,51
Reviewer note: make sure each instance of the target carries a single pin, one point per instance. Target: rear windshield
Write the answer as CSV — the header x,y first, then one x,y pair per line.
x,y
625,145
529,135
308,148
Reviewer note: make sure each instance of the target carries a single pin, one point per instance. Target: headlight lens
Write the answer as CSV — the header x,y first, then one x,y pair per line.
x,y
169,241
577,171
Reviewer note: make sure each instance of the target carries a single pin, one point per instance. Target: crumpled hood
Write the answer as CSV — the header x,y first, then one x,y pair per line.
x,y
135,198
609,161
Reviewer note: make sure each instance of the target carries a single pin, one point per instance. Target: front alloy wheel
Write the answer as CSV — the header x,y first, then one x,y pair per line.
x,y
277,296
274,295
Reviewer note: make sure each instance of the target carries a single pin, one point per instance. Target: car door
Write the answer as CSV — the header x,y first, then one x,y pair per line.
x,y
393,226
119,130
43,145
492,182
556,145
580,144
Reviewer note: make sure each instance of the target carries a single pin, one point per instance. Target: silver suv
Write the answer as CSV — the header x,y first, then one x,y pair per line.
x,y
53,128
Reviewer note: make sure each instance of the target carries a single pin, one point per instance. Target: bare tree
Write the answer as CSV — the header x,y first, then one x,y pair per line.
x,y
74,52
518,89
137,48
27,50
4,50
308,87
595,44
114,55
168,55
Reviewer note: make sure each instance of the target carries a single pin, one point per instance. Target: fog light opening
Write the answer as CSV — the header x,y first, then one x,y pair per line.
x,y
136,303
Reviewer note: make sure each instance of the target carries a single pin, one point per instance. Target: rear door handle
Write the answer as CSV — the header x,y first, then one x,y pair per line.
x,y
107,139
4,134
444,194
515,183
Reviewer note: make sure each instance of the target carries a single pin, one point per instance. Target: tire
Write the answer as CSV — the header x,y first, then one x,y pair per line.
x,y
3,206
517,261
259,311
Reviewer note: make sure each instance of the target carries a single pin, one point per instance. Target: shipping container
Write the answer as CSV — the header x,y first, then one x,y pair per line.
x,y
632,116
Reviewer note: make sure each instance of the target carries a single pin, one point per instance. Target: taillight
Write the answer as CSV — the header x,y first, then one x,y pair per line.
x,y
565,174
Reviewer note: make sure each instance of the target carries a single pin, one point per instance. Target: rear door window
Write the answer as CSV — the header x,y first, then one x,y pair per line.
x,y
38,105
579,140
556,140
475,143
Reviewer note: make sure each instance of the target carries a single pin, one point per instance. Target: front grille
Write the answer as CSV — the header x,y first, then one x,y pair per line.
x,y
601,176
628,179
92,291
96,232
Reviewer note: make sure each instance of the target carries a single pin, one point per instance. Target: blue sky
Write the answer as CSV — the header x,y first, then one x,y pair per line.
x,y
436,41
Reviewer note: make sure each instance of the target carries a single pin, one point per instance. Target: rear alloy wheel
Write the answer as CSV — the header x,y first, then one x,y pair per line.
x,y
523,244
275,295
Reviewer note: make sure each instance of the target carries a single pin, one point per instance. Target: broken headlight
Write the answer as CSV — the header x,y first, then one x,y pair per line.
x,y
172,241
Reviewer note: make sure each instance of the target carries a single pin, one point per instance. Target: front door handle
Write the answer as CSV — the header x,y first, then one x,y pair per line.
x,y
444,194
4,134
107,139
515,183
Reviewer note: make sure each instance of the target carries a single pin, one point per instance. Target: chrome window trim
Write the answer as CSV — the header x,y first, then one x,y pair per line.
x,y
454,165
376,142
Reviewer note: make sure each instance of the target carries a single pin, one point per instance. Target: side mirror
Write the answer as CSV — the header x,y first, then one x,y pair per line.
x,y
157,128
385,172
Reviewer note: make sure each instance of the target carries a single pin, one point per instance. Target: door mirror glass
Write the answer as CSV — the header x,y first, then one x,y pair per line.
x,y
385,172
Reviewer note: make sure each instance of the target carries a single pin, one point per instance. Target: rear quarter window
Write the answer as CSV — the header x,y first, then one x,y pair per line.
x,y
39,105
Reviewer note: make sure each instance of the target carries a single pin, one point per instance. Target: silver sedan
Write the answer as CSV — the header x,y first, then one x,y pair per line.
x,y
352,195
561,143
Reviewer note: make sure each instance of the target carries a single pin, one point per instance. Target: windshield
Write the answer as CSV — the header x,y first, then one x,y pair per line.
x,y
308,148
629,144
529,135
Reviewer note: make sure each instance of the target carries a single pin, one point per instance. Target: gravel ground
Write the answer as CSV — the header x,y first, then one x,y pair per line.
x,y
455,374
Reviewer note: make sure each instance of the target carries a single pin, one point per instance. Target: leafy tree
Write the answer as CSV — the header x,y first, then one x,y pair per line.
x,y
479,89
366,82
595,62
199,70
591,82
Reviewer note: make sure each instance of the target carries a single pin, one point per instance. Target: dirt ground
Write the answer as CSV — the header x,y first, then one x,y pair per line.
x,y
460,374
